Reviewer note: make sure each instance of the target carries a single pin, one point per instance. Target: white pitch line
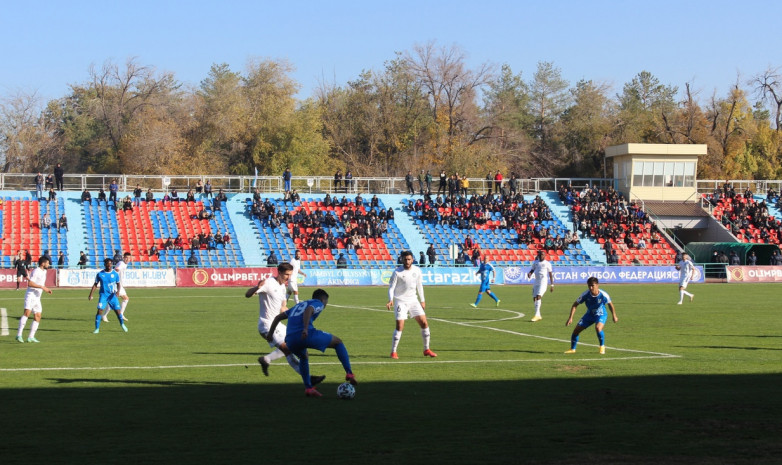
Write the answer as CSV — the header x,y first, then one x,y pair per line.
x,y
395,362
516,333
3,322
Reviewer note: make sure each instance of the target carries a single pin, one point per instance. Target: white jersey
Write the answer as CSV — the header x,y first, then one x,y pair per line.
x,y
271,297
37,276
404,284
293,284
120,268
686,267
541,270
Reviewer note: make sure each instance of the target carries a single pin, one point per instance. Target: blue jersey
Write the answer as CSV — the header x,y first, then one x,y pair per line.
x,y
296,315
108,283
486,271
595,304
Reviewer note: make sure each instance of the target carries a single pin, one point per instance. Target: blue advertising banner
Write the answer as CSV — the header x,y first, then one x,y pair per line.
x,y
606,274
376,277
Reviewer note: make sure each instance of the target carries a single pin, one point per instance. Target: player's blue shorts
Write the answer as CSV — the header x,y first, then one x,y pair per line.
x,y
590,318
485,286
113,302
316,339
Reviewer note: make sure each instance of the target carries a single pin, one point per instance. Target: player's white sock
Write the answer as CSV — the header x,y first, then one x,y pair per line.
x,y
687,294
537,307
22,322
293,362
123,305
296,297
33,328
681,295
395,340
425,337
277,353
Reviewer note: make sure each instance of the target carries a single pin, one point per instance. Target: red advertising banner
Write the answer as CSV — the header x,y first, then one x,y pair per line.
x,y
8,279
754,274
221,277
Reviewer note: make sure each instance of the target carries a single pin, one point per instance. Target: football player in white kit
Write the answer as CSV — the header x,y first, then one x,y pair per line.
x,y
36,286
293,285
686,273
544,275
405,282
271,296
120,268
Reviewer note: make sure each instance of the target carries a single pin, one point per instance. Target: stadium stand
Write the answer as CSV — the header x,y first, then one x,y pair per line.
x,y
322,229
750,219
21,229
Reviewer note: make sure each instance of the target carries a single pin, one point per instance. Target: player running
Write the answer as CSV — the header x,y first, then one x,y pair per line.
x,y
405,281
271,297
36,286
302,335
543,272
596,301
686,274
488,275
108,280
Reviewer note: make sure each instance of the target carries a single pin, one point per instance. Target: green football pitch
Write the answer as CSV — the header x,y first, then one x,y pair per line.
x,y
692,383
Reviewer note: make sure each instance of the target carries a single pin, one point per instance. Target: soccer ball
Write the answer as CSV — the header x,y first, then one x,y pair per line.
x,y
346,391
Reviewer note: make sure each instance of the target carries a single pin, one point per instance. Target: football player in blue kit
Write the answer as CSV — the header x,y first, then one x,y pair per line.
x,y
596,302
302,335
486,270
108,296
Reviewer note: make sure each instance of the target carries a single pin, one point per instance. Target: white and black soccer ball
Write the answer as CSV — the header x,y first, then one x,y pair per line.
x,y
346,391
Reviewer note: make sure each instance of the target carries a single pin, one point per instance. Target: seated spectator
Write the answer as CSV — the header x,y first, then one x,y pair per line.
x,y
62,223
179,243
192,261
149,196
655,238
227,238
174,197
86,196
190,196
46,222
272,260
342,262
641,243
153,251
169,244
204,214
52,194
101,195
218,237
127,204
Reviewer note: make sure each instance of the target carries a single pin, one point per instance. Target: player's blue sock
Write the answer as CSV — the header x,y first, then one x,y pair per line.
x,y
478,300
97,321
304,370
601,337
342,355
120,319
491,294
573,341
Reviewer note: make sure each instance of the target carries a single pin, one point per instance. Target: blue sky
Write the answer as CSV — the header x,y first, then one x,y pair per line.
x,y
47,45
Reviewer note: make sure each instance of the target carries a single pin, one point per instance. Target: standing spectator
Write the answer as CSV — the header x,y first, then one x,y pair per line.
x,y
428,179
137,195
421,258
409,183
432,254
83,260
421,182
272,260
59,174
443,187
349,181
113,190
752,259
60,260
407,281
489,182
208,189
39,180
286,180
734,258
199,187
498,182
337,180
342,262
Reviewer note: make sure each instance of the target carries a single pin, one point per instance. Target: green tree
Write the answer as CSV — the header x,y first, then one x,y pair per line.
x,y
586,129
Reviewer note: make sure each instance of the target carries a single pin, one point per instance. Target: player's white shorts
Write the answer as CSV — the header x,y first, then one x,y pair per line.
x,y
402,309
539,288
683,283
279,335
33,303
293,286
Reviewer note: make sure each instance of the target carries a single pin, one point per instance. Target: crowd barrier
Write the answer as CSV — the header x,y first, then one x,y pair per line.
x,y
754,274
435,276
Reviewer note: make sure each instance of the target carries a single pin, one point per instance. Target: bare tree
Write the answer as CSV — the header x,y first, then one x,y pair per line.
x,y
28,142
768,86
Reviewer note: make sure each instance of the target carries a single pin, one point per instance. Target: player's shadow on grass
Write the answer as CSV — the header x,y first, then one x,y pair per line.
x,y
134,381
748,335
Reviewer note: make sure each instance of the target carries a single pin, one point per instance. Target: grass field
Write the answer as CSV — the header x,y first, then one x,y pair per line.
x,y
696,383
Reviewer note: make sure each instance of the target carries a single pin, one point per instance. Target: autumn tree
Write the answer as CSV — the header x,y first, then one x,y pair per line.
x,y
28,140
